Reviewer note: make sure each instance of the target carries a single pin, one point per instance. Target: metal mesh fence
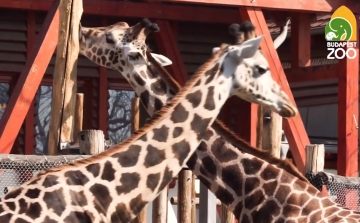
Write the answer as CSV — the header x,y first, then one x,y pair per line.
x,y
17,169
343,190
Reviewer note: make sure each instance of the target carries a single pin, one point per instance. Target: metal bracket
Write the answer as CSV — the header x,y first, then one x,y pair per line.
x,y
69,145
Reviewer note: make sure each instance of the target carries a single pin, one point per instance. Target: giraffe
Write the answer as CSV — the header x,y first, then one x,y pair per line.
x,y
115,185
227,165
264,192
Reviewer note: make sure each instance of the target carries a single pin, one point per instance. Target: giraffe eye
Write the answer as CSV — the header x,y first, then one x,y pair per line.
x,y
261,69
109,38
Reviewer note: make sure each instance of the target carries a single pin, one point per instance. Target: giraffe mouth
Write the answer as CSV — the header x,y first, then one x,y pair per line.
x,y
288,111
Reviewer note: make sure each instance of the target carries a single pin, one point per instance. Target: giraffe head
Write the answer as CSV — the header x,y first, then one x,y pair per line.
x,y
248,67
119,46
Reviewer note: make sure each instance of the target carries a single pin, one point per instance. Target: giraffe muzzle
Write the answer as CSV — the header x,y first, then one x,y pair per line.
x,y
288,111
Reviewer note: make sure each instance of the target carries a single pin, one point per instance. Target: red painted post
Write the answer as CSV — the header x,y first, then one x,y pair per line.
x,y
29,81
294,128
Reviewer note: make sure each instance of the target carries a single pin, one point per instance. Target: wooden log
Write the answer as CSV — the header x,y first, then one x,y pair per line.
x,y
79,114
315,156
135,124
91,142
193,197
271,131
159,210
315,161
184,196
78,120
65,74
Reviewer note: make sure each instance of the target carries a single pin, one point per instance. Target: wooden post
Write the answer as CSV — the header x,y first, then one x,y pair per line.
x,y
135,124
65,74
78,120
185,196
271,131
159,210
79,113
193,197
293,127
91,142
315,161
315,155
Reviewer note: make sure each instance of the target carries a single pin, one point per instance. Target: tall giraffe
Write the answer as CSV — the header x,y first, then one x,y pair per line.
x,y
115,185
225,170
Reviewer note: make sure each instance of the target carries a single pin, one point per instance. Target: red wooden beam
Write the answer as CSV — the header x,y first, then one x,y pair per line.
x,y
293,127
348,111
29,80
166,42
304,5
300,40
124,9
30,120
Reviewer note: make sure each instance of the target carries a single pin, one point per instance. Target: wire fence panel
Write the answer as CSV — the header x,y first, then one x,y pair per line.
x,y
343,190
17,169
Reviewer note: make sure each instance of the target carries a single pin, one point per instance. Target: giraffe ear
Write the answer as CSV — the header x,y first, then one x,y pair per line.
x,y
215,49
161,59
136,58
247,49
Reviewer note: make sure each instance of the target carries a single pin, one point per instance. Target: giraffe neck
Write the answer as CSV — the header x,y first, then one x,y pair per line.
x,y
222,157
147,84
256,190
155,87
115,185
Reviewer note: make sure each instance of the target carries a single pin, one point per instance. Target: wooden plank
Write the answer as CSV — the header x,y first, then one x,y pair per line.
x,y
300,40
270,131
167,45
29,81
127,9
294,128
304,5
30,120
348,111
103,95
65,76
185,196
